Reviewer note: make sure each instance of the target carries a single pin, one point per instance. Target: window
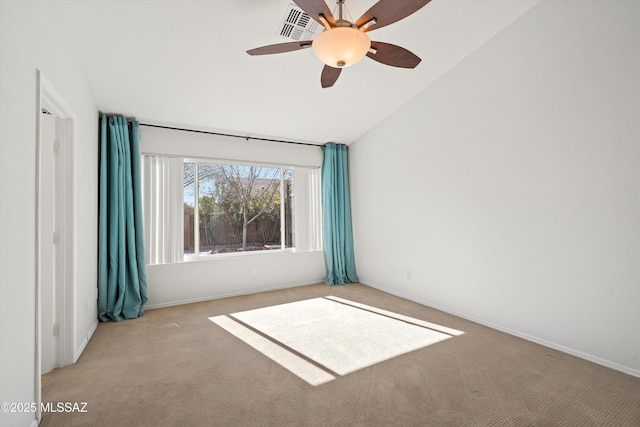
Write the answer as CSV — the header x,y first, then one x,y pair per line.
x,y
239,208
201,208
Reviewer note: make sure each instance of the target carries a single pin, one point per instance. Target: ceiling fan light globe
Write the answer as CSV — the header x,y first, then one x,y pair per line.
x,y
341,47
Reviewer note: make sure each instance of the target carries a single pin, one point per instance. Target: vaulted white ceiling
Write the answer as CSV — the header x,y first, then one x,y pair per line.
x,y
184,63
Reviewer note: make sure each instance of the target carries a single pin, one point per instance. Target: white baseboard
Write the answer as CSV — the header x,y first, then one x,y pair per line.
x,y
231,294
85,341
501,328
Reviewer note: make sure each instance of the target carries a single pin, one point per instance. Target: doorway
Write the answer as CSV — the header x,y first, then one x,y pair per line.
x,y
55,284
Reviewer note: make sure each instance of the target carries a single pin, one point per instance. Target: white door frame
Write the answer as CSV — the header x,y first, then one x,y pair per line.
x,y
51,100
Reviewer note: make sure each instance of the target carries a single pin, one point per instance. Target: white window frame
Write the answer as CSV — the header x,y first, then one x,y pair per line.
x,y
197,254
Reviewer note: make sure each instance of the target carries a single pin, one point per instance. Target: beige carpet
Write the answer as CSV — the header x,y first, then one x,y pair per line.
x,y
173,367
336,334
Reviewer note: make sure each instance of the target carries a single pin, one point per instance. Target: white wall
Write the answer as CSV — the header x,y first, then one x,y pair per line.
x,y
183,282
33,36
510,188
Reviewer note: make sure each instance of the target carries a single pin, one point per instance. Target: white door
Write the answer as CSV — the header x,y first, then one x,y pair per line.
x,y
49,199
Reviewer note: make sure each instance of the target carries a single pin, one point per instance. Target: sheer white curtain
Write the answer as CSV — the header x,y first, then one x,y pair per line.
x,y
163,201
308,215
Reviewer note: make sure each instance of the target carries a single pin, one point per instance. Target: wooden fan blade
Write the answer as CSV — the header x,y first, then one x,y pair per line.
x,y
315,8
280,48
329,76
389,11
396,56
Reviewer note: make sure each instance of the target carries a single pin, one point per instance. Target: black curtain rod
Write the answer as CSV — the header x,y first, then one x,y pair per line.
x,y
226,134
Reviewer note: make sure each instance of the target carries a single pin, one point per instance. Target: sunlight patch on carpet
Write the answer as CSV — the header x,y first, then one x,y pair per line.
x,y
418,322
295,364
339,335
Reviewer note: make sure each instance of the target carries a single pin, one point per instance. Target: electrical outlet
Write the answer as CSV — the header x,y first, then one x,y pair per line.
x,y
408,274
252,271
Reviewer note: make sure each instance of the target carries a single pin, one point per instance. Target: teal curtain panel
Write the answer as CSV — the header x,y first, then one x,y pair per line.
x,y
122,280
337,234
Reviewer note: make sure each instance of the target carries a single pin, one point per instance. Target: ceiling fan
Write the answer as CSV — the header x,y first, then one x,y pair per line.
x,y
344,43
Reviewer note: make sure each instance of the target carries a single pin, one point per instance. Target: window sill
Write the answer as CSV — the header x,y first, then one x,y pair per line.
x,y
237,255
212,257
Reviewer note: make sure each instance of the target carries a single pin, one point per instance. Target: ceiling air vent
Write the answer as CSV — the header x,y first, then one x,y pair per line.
x,y
297,25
